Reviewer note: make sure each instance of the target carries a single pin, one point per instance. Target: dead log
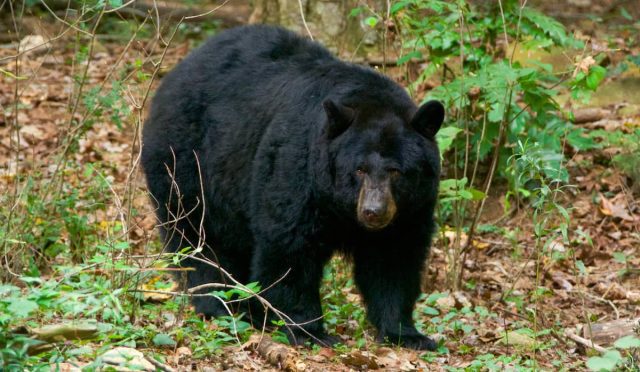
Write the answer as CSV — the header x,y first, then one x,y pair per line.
x,y
606,333
589,115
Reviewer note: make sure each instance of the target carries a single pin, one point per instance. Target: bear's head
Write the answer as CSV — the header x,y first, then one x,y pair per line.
x,y
383,162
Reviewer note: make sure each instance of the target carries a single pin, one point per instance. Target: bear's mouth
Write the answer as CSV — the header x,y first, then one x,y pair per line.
x,y
375,225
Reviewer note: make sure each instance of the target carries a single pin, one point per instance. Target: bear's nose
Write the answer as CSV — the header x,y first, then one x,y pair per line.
x,y
372,214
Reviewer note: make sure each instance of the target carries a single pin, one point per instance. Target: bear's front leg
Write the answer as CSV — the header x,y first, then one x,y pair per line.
x,y
293,277
389,280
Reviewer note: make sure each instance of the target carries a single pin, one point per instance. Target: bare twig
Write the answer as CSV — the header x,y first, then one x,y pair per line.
x,y
206,13
304,21
584,341
604,300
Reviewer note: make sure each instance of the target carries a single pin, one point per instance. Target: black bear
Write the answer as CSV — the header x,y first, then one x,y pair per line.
x,y
271,155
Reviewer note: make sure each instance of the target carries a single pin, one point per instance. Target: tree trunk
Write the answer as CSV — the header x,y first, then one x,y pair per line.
x,y
329,22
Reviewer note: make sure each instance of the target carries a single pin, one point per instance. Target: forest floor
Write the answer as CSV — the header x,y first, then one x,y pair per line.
x,y
488,323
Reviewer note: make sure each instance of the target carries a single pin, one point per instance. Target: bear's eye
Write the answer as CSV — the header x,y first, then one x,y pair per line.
x,y
360,171
394,173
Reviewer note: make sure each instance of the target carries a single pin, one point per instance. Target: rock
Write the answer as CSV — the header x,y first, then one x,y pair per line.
x,y
34,44
518,339
126,359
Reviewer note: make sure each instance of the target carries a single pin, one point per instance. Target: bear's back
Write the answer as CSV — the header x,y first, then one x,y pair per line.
x,y
246,98
243,52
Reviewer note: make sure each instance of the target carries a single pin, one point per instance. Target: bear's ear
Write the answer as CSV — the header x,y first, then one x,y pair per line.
x,y
428,118
339,118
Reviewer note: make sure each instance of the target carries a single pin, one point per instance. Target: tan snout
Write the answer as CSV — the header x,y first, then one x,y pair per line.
x,y
376,206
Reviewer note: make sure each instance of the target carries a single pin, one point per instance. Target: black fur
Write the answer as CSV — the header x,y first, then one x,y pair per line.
x,y
279,130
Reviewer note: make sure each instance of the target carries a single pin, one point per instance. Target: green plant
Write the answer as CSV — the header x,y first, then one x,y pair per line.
x,y
494,101
623,357
80,295
342,314
492,362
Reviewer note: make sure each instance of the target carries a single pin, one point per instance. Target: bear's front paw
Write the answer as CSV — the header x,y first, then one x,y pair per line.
x,y
413,341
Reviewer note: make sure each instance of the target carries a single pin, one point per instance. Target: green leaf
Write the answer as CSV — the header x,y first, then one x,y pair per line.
x,y
162,339
476,194
405,58
355,12
607,362
581,267
395,8
433,297
577,138
121,246
428,310
620,257
625,14
6,289
465,194
554,29
445,138
22,307
371,21
596,75
496,112
627,342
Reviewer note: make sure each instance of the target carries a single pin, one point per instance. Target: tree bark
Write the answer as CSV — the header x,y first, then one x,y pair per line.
x,y
328,22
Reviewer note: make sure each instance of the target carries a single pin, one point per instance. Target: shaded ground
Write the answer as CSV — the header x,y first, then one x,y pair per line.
x,y
502,262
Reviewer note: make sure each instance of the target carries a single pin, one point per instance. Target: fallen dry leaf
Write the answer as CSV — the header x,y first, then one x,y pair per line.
x,y
149,287
611,291
452,236
182,355
32,134
583,65
389,359
446,303
617,210
480,245
361,359
562,280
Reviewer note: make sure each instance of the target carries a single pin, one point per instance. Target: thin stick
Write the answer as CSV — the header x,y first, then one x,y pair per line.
x,y
208,12
304,21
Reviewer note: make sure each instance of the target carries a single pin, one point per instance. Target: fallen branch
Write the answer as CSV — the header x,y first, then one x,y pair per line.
x,y
158,365
588,115
584,341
